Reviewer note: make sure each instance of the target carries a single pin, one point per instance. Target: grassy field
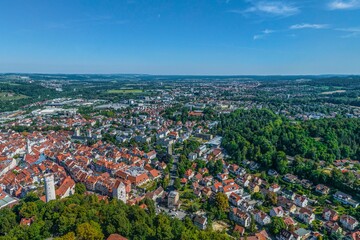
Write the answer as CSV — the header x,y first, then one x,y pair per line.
x,y
10,83
6,96
121,91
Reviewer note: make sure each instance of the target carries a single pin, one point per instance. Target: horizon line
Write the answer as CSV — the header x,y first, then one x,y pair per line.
x,y
206,75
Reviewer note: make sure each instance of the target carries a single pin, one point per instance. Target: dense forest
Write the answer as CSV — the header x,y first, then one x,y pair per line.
x,y
267,138
86,217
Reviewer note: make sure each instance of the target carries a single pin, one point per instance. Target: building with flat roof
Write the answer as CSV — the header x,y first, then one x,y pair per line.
x,y
6,200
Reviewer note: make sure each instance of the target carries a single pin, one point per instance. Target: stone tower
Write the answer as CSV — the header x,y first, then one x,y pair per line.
x,y
119,191
28,146
49,187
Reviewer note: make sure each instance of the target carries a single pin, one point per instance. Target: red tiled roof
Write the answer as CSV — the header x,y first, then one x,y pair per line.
x,y
116,237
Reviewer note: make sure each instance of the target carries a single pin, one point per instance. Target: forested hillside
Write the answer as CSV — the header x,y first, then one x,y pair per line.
x,y
267,138
88,218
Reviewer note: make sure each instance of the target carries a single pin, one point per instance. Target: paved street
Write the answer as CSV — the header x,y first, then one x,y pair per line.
x,y
173,175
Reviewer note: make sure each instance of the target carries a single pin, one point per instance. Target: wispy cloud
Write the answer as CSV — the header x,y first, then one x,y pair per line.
x,y
269,8
344,4
267,32
350,32
263,34
272,8
308,25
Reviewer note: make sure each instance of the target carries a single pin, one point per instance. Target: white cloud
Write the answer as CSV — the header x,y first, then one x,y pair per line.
x,y
311,26
271,8
257,37
263,34
344,4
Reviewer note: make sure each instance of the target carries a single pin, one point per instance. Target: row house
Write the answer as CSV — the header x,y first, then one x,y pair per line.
x,y
240,217
235,199
67,188
231,188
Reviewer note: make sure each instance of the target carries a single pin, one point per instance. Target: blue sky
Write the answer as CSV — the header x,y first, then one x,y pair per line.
x,y
226,37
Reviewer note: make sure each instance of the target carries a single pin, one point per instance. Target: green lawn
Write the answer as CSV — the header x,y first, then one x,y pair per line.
x,y
6,96
121,91
150,186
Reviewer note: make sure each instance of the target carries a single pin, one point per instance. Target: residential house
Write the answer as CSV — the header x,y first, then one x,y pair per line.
x,y
254,187
348,222
216,187
67,188
231,188
222,177
239,229
355,235
332,227
115,236
306,215
301,201
322,189
277,212
286,235
189,174
235,199
286,204
290,178
345,199
240,217
206,191
200,222
330,215
262,218
274,188
173,200
192,156
151,155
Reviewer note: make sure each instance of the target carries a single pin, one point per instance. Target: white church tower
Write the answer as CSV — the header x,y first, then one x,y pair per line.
x,y
89,133
28,146
49,187
77,132
119,191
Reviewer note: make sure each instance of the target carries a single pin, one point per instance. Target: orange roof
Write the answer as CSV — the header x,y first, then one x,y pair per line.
x,y
154,173
196,114
67,183
116,237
